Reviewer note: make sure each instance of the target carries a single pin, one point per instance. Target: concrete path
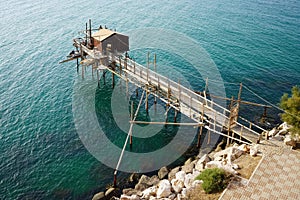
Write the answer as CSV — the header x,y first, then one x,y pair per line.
x,y
277,176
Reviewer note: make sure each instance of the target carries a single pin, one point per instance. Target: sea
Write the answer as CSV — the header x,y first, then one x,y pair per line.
x,y
256,42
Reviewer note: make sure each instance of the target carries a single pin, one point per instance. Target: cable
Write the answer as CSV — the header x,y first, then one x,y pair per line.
x,y
268,102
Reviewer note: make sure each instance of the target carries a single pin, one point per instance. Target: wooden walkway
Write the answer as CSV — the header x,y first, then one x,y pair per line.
x,y
184,100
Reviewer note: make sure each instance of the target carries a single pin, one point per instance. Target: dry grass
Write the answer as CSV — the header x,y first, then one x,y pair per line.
x,y
247,165
199,194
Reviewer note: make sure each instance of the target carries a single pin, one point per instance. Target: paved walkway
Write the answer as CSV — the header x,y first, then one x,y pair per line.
x,y
276,177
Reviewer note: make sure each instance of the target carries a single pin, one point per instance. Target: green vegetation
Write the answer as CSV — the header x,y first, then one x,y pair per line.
x,y
214,180
291,106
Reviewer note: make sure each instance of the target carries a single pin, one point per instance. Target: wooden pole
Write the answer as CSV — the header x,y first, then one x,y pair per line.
x,y
147,94
104,72
120,63
200,132
113,76
77,62
131,118
90,33
98,79
230,118
154,62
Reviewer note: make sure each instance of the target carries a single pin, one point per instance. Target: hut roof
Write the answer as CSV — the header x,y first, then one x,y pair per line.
x,y
102,34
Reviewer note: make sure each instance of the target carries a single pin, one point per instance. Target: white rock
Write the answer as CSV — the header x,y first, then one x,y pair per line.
x,y
283,132
195,173
184,192
124,197
152,198
172,196
289,141
180,175
177,185
229,168
151,191
164,189
196,183
235,166
204,158
188,180
284,126
133,197
219,158
243,147
179,197
253,150
212,164
273,132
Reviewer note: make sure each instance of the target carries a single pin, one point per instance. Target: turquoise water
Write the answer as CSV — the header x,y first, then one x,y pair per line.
x,y
255,42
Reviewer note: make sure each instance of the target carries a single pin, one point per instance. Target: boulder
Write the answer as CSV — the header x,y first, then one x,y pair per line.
x,y
283,132
200,165
154,180
112,192
195,173
184,192
188,180
214,164
134,178
284,126
196,183
188,161
164,189
147,193
177,185
188,168
126,197
172,173
172,196
232,153
143,183
289,141
180,175
152,198
99,196
273,132
129,191
244,148
163,172
253,150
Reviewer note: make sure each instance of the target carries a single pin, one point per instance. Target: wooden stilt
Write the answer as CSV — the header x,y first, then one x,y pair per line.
x,y
77,64
115,179
230,120
199,137
98,79
131,117
136,92
104,72
147,103
175,116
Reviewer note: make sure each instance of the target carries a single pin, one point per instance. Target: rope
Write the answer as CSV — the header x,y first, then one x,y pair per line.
x,y
268,102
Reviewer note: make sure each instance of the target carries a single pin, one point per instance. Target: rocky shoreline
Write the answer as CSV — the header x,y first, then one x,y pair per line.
x,y
178,182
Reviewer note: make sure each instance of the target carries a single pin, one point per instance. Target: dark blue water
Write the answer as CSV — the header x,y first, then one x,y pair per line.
x,y
255,42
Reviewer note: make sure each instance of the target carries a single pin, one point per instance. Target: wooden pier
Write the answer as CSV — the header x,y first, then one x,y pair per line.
x,y
205,113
